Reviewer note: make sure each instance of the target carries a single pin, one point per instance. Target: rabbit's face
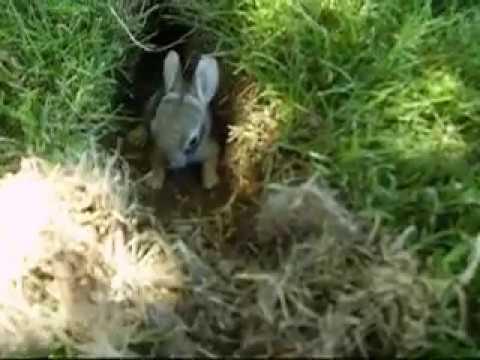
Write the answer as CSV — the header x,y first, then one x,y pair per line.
x,y
182,119
179,128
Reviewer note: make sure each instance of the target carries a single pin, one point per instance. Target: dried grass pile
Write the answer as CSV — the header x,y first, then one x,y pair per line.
x,y
311,284
83,264
251,137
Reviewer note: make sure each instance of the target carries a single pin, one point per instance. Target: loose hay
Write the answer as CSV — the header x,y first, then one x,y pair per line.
x,y
83,263
314,285
88,268
251,137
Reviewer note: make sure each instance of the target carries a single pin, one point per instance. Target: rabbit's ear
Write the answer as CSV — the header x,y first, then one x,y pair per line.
x,y
172,72
205,80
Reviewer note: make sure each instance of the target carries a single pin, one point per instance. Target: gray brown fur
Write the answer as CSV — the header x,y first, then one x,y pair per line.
x,y
179,120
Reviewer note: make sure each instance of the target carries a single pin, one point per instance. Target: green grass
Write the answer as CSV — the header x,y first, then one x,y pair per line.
x,y
396,84
57,60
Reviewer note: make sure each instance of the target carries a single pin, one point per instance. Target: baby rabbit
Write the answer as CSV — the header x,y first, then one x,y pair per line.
x,y
179,121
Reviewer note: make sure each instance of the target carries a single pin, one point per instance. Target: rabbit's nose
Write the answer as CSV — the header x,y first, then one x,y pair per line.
x,y
178,162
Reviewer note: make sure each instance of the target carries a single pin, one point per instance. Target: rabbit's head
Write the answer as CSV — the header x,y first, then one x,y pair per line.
x,y
182,118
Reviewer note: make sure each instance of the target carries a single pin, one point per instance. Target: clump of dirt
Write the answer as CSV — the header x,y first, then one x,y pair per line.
x,y
84,264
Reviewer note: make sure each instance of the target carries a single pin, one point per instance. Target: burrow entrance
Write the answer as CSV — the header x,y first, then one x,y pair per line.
x,y
218,224
182,195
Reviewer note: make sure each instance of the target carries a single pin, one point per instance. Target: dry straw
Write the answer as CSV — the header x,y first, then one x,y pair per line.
x,y
84,264
312,283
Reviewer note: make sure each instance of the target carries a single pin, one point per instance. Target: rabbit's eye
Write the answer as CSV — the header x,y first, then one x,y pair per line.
x,y
192,144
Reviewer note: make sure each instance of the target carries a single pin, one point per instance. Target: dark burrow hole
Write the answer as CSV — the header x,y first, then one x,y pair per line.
x,y
182,193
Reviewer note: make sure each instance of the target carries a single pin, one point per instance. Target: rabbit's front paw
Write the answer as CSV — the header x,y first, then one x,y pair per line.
x,y
209,175
137,136
155,179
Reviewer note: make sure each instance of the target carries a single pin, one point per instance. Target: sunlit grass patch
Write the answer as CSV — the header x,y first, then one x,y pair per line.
x,y
57,63
387,82
412,94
